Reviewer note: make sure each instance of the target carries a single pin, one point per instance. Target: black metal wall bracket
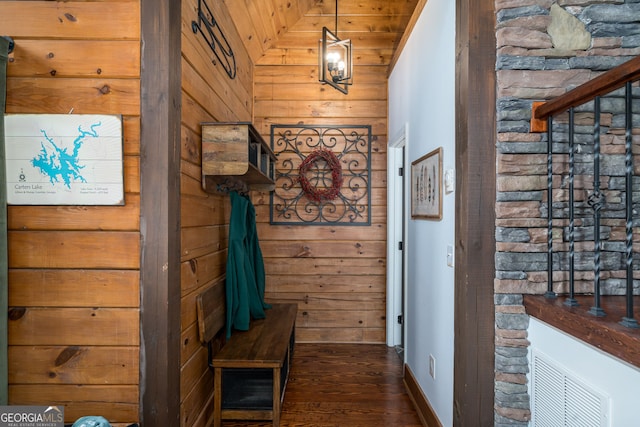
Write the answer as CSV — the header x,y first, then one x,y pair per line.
x,y
215,38
12,44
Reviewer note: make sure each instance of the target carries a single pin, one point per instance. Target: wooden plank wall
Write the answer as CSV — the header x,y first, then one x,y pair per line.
x,y
74,306
336,274
74,319
208,95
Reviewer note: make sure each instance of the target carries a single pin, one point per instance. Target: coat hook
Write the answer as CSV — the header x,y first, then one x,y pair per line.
x,y
231,184
11,43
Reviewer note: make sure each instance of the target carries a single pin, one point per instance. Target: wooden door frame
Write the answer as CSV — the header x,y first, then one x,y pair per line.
x,y
474,348
160,117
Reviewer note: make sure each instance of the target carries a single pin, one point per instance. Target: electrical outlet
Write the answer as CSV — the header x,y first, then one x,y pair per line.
x,y
432,366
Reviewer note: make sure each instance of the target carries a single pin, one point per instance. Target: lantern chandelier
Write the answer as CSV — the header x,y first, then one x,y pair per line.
x,y
335,59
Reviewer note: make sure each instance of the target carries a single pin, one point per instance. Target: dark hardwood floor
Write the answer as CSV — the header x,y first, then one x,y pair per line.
x,y
344,385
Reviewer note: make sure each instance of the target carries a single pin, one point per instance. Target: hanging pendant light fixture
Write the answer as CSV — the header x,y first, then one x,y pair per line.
x,y
335,59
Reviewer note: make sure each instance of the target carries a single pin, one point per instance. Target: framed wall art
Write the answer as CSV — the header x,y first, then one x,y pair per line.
x,y
426,186
64,159
322,175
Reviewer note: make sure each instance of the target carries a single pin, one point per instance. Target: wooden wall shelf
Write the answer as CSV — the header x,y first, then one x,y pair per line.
x,y
236,152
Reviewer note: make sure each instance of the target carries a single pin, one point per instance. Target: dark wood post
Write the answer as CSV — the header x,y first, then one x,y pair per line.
x,y
475,213
160,213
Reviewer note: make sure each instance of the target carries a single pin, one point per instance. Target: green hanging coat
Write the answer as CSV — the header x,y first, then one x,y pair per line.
x,y
245,282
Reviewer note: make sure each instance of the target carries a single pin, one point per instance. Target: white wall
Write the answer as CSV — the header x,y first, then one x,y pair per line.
x,y
598,370
421,94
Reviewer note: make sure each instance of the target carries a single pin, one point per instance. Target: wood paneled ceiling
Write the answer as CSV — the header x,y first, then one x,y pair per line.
x,y
274,30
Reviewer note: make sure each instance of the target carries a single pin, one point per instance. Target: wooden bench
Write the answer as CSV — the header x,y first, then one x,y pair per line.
x,y
251,370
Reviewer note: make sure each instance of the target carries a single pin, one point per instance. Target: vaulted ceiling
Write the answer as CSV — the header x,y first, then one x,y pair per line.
x,y
270,29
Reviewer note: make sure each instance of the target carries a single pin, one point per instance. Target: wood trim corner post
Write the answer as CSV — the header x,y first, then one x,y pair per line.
x,y
474,350
160,116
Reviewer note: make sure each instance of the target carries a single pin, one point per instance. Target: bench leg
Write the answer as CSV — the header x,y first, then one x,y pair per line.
x,y
276,397
217,397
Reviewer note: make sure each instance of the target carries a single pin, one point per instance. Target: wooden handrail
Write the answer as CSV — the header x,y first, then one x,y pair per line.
x,y
604,83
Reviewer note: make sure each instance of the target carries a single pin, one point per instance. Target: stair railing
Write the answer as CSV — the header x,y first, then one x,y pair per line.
x,y
610,99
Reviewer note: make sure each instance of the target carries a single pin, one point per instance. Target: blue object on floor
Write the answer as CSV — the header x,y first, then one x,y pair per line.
x,y
91,421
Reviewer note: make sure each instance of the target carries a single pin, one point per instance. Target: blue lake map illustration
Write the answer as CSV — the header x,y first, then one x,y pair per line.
x,y
58,163
64,159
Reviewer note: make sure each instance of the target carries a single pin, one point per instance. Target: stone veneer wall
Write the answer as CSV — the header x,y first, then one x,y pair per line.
x,y
544,47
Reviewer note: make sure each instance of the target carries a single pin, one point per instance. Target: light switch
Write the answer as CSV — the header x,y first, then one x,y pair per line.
x,y
450,255
449,181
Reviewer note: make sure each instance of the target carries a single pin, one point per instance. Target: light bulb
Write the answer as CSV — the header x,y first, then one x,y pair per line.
x,y
341,69
332,59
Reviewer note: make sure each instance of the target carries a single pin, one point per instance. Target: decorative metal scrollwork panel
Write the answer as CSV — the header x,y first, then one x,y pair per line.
x,y
322,175
208,27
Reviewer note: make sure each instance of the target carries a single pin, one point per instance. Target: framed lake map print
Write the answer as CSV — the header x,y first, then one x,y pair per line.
x,y
64,159
426,186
